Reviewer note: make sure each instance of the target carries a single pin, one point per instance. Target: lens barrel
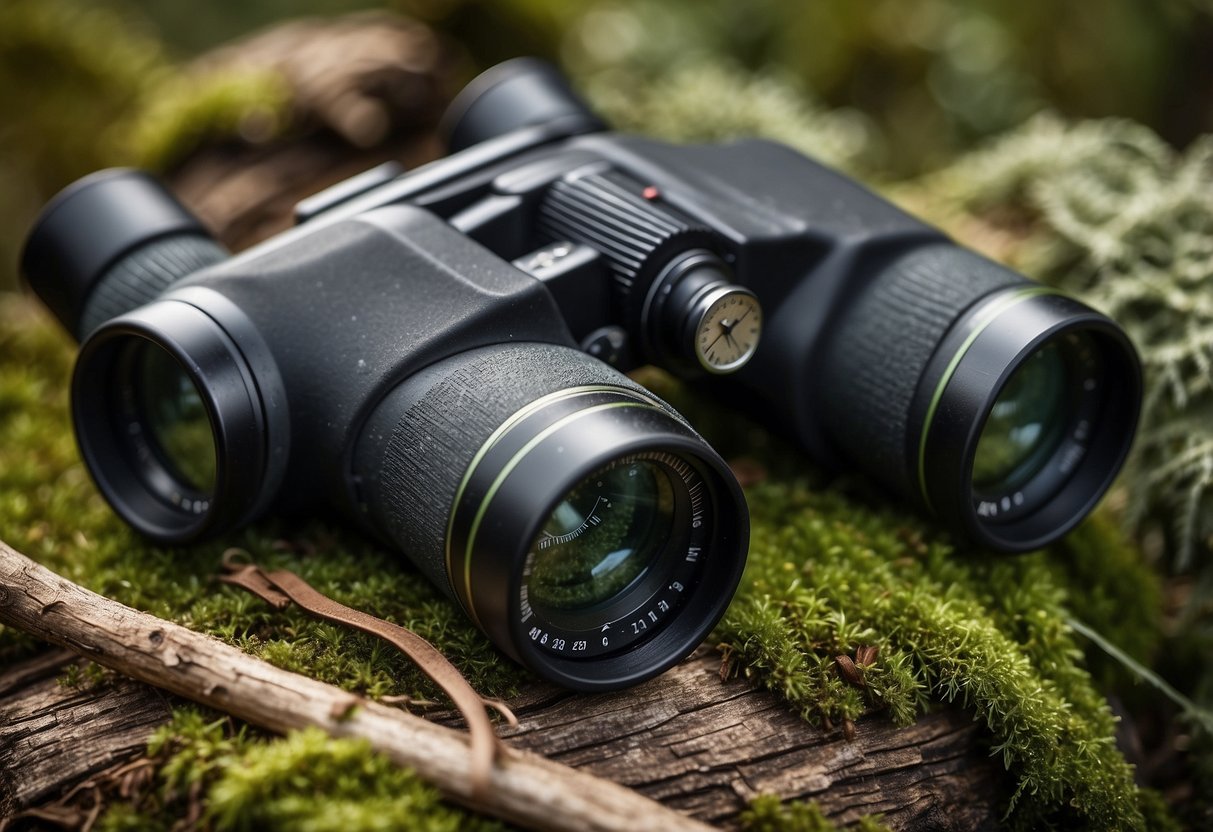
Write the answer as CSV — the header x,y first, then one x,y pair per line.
x,y
472,465
943,348
1071,452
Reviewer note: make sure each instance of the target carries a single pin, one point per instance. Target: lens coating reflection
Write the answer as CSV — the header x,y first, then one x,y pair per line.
x,y
604,535
176,420
1027,423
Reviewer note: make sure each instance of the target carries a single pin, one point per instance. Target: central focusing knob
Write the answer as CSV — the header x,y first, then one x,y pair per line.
x,y
673,292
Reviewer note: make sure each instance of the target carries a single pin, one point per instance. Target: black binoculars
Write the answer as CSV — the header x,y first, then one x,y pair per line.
x,y
439,355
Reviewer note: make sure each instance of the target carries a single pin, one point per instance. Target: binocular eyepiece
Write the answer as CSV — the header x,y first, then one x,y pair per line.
x,y
440,356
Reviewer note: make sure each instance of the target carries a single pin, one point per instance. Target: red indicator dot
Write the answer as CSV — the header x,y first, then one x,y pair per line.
x,y
651,193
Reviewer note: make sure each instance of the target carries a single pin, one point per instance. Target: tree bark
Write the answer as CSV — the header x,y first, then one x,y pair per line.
x,y
707,747
53,736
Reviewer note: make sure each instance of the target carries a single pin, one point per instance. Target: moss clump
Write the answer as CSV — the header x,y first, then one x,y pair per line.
x,y
767,814
304,781
183,110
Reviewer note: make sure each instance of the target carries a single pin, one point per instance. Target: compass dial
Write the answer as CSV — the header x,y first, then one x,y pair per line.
x,y
728,325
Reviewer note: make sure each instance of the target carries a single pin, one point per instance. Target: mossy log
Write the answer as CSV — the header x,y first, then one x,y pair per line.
x,y
688,740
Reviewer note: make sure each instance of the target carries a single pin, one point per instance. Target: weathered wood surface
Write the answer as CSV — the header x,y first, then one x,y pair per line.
x,y
706,747
523,788
54,736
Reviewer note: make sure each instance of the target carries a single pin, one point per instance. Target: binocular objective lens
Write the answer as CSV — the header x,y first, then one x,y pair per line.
x,y
174,419
1043,424
1029,420
606,533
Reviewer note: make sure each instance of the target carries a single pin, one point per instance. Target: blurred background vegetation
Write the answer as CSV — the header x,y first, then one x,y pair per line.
x,y
913,82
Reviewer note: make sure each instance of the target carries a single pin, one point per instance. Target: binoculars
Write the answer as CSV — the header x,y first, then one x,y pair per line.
x,y
440,356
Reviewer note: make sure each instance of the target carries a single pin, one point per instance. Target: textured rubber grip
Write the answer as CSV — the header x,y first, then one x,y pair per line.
x,y
879,348
143,275
420,440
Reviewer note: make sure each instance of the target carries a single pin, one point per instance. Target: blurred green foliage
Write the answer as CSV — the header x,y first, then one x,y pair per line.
x,y
66,71
918,79
932,74
90,85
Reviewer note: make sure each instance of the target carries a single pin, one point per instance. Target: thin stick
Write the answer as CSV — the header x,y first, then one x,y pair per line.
x,y
525,789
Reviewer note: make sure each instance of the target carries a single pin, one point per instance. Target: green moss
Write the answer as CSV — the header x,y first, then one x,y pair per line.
x,y
767,814
238,780
314,784
827,576
1112,590
183,110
